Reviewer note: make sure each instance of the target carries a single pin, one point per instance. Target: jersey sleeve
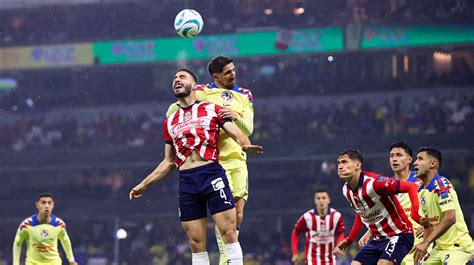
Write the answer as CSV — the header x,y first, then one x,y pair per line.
x,y
386,186
66,243
300,227
340,230
445,199
220,120
20,236
166,134
355,229
245,122
172,109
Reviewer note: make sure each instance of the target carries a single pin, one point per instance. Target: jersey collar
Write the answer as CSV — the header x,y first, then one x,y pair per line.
x,y
190,106
214,85
431,185
36,222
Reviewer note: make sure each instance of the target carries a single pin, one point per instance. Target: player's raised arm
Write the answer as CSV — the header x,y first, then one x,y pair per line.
x,y
19,238
233,131
67,246
160,172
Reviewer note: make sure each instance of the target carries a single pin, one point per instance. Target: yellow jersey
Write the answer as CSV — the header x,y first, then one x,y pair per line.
x,y
42,241
436,198
405,202
238,99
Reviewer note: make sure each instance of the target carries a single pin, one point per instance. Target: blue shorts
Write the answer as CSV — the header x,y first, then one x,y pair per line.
x,y
202,187
394,249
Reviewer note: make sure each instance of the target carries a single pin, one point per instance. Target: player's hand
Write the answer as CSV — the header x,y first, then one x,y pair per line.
x,y
363,241
420,252
425,221
252,149
227,113
419,231
294,259
137,192
73,263
341,248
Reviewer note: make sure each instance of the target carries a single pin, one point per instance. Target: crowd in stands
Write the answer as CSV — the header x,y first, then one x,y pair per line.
x,y
55,24
400,115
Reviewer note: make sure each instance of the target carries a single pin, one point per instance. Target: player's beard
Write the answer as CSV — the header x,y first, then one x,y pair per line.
x,y
187,91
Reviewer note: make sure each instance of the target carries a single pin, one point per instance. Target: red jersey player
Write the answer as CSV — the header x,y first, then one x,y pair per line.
x,y
373,197
191,135
322,225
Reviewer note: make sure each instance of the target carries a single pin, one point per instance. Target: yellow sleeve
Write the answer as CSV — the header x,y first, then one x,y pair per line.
x,y
446,200
19,238
245,122
66,243
172,109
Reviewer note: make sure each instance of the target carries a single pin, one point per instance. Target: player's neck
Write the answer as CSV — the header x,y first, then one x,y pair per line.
x,y
429,176
322,212
403,175
220,85
44,218
187,101
354,181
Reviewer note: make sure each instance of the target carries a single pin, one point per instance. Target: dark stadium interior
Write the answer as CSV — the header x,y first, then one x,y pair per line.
x,y
89,133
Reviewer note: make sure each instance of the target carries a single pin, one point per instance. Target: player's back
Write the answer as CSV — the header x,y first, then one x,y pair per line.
x,y
380,212
42,240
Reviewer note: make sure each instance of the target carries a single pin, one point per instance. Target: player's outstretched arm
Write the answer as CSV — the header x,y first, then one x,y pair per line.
x,y
233,131
160,172
19,238
67,246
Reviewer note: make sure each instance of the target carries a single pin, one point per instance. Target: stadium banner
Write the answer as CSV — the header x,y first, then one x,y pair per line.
x,y
235,45
378,36
46,56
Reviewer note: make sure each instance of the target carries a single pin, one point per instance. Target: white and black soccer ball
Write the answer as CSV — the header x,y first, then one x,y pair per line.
x,y
188,23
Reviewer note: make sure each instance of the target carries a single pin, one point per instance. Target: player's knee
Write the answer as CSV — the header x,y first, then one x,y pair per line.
x,y
229,235
197,245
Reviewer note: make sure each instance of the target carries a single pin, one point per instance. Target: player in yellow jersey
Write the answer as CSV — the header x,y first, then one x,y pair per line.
x,y
41,233
444,222
238,106
400,159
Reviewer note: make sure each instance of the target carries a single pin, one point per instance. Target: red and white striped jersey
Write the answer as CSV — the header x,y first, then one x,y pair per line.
x,y
195,128
376,203
321,233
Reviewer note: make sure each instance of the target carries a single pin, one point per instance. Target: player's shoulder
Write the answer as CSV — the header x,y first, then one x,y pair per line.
x,y
172,109
441,185
29,222
334,211
57,222
245,92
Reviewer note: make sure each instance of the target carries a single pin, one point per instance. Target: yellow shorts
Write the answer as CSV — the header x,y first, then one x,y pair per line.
x,y
453,256
30,262
238,176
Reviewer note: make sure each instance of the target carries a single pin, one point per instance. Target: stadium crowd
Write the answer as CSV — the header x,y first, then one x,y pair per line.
x,y
412,116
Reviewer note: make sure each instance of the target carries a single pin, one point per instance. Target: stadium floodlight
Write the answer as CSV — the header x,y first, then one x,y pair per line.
x,y
121,234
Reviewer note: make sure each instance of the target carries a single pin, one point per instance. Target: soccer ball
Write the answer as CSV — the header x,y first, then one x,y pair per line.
x,y
188,23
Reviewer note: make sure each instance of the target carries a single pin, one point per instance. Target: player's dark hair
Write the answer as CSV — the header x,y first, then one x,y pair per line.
x,y
352,154
402,145
217,64
432,152
189,72
44,195
321,190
